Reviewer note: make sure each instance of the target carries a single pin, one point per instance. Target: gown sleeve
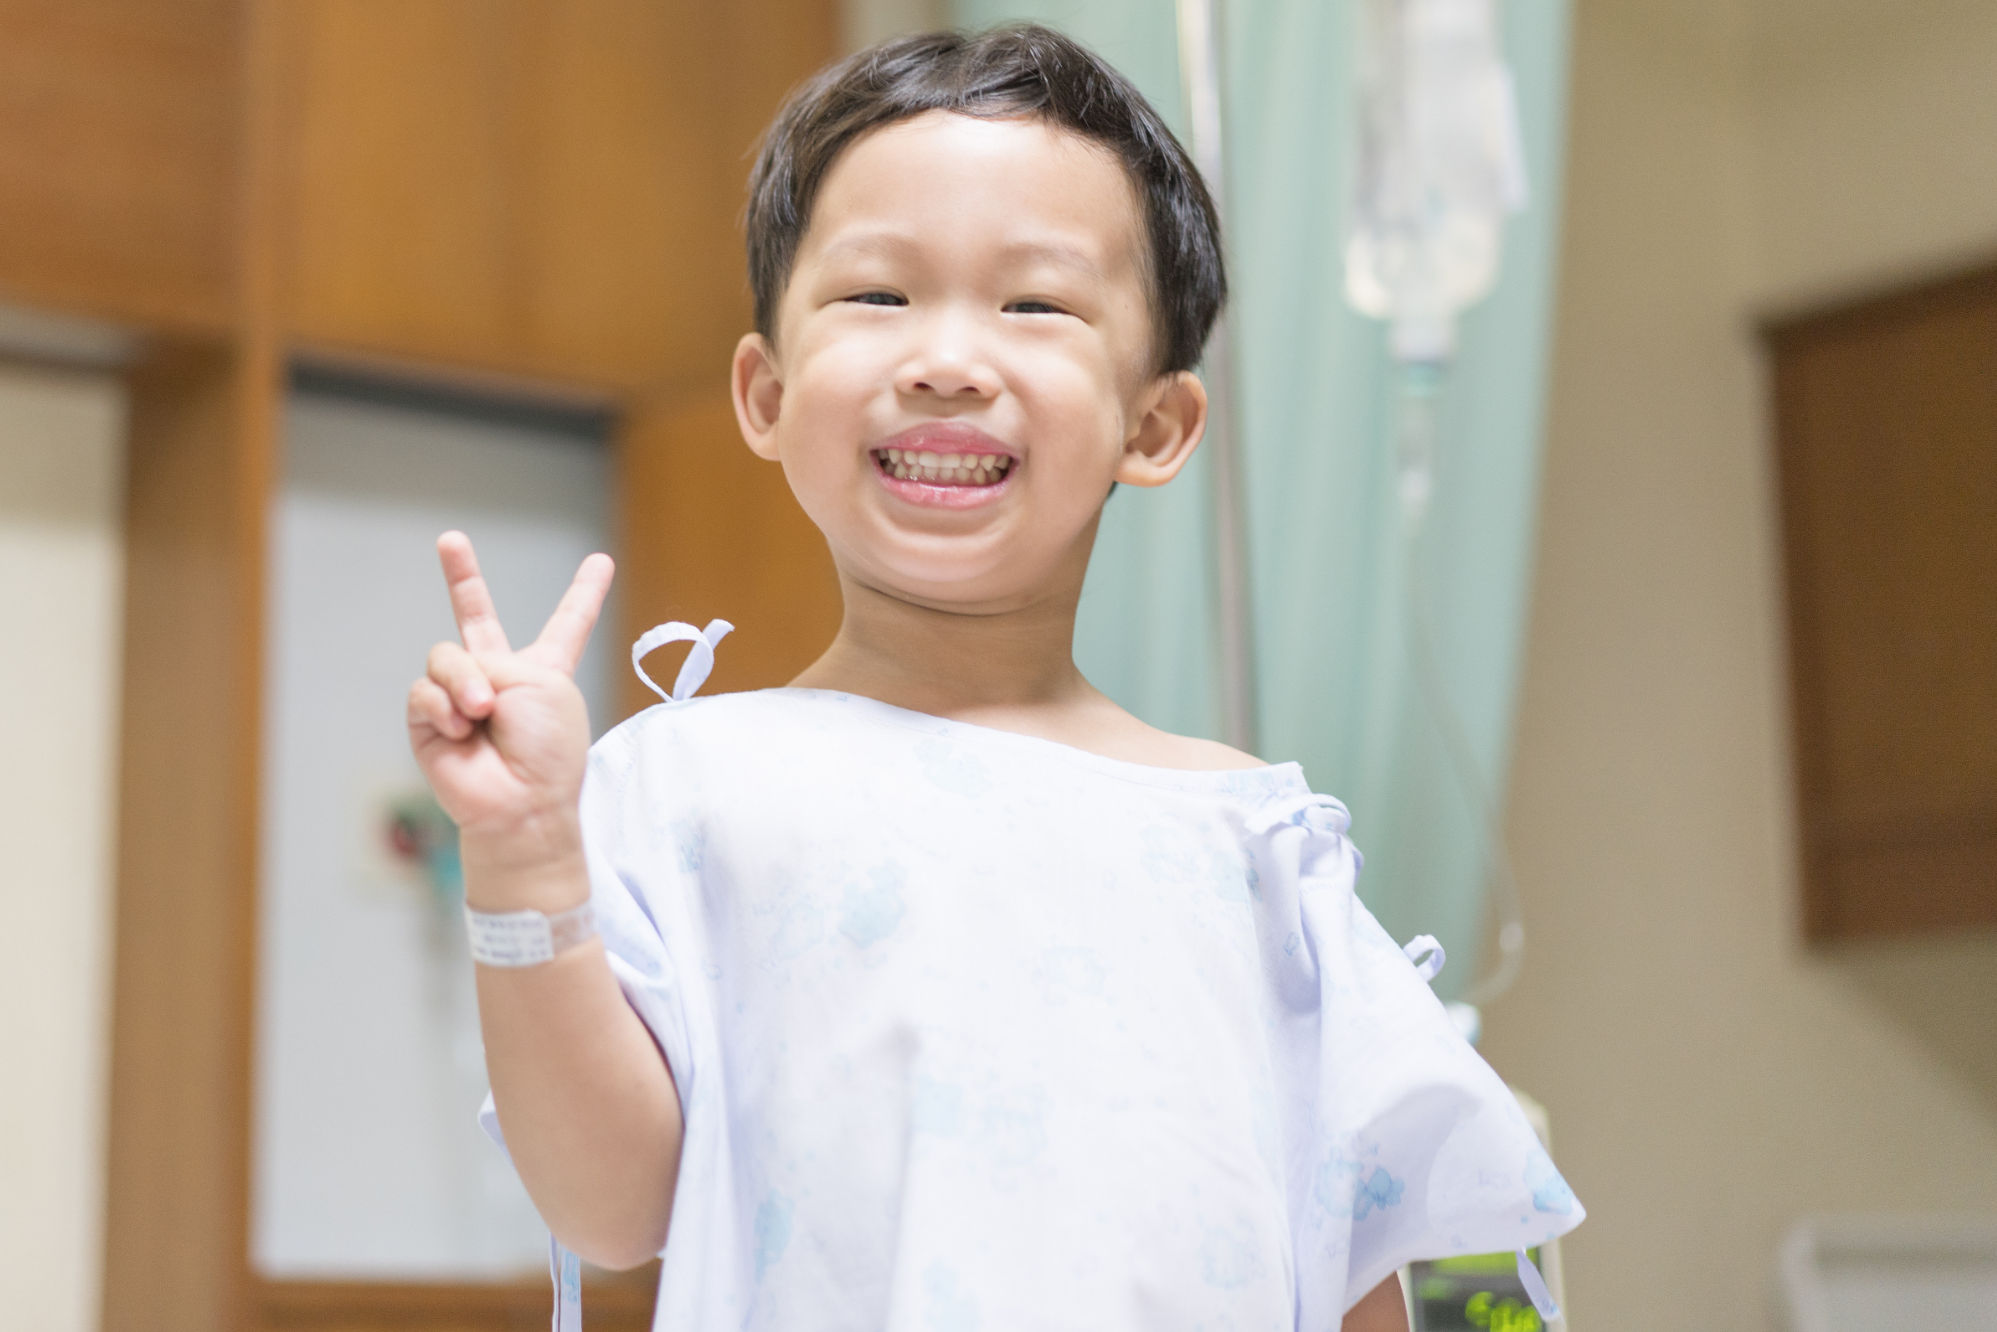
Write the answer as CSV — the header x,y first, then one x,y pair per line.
x,y
643,845
1403,1143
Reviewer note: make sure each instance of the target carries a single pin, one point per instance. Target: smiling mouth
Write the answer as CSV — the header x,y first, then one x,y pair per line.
x,y
944,469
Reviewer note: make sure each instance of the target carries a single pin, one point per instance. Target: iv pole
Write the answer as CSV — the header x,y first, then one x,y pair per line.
x,y
1199,73
1440,168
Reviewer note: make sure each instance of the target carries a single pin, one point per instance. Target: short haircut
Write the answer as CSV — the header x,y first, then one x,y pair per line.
x,y
1022,70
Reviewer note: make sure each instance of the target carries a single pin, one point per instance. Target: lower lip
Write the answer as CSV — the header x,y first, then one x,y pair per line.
x,y
931,496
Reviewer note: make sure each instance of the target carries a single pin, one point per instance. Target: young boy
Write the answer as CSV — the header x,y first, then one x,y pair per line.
x,y
935,990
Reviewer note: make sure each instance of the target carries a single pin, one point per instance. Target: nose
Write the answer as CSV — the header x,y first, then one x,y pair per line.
x,y
948,361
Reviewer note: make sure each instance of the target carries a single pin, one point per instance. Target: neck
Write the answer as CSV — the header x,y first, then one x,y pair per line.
x,y
966,664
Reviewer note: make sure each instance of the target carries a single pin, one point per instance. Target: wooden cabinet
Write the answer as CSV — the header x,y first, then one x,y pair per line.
x,y
1886,426
120,124
536,194
543,189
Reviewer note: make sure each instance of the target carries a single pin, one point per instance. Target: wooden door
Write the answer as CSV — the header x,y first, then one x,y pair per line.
x,y
1886,426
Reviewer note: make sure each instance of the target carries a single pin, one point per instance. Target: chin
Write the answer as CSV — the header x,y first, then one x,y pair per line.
x,y
986,569
971,584
932,587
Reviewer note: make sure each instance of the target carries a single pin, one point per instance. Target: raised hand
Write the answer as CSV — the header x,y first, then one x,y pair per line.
x,y
503,735
592,1117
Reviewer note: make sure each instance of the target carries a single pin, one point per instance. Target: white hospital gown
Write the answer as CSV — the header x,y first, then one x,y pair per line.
x,y
977,1031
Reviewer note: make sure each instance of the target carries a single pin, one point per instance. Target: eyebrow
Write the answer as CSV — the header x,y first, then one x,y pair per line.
x,y
869,243
1061,256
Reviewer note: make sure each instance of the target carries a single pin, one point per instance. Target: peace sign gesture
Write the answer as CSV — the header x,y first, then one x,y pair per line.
x,y
503,735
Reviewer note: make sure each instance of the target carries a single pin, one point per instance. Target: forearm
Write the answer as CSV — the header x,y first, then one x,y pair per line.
x,y
589,1109
587,1103
1383,1310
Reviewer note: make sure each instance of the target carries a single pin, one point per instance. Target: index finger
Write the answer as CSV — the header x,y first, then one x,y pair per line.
x,y
471,600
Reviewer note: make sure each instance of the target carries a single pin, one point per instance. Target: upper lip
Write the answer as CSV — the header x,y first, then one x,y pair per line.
x,y
945,437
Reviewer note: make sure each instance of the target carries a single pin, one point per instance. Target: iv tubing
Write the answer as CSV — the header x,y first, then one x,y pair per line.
x,y
1415,460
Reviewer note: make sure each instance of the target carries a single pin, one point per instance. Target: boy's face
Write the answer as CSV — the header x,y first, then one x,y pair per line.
x,y
971,290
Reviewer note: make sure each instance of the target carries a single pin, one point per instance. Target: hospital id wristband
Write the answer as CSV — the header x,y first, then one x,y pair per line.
x,y
527,938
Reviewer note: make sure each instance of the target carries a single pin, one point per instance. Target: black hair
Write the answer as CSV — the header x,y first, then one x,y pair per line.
x,y
1020,70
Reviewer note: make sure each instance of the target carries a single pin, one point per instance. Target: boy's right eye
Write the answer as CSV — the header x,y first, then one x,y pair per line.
x,y
878,298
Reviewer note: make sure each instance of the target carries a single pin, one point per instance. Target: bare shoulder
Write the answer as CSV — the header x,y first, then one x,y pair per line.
x,y
1137,742
1098,726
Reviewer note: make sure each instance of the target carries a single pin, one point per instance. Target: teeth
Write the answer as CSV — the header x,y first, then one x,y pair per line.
x,y
949,468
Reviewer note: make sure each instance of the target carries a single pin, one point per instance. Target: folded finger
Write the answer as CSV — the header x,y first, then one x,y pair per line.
x,y
430,706
471,599
566,634
460,676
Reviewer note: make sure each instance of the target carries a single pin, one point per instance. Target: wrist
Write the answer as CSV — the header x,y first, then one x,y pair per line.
x,y
512,939
532,864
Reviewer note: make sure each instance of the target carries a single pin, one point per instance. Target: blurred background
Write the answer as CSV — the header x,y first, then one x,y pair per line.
x,y
1669,702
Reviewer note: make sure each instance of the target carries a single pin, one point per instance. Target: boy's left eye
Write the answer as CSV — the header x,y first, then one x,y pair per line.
x,y
1033,307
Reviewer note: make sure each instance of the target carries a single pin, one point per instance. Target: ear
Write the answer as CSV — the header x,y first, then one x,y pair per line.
x,y
759,394
1167,433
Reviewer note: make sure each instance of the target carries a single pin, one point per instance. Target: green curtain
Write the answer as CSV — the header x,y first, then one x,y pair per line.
x,y
1316,389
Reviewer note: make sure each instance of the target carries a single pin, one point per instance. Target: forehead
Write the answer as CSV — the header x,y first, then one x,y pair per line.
x,y
1018,186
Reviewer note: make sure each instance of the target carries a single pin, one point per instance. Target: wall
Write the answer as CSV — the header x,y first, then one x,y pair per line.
x,y
1709,1079
1872,126
61,469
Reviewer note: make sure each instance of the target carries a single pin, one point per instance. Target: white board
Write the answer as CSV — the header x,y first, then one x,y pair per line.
x,y
368,1160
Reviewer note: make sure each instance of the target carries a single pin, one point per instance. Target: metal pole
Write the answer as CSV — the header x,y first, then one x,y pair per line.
x,y
1199,71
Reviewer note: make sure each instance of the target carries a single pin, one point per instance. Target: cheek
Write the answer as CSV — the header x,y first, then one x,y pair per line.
x,y
1076,403
827,398
826,406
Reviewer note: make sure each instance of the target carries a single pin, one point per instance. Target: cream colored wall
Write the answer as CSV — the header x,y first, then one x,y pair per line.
x,y
61,468
1710,1079
1874,142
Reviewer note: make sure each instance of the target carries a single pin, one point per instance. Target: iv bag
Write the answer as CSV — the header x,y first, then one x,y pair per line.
x,y
1439,168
